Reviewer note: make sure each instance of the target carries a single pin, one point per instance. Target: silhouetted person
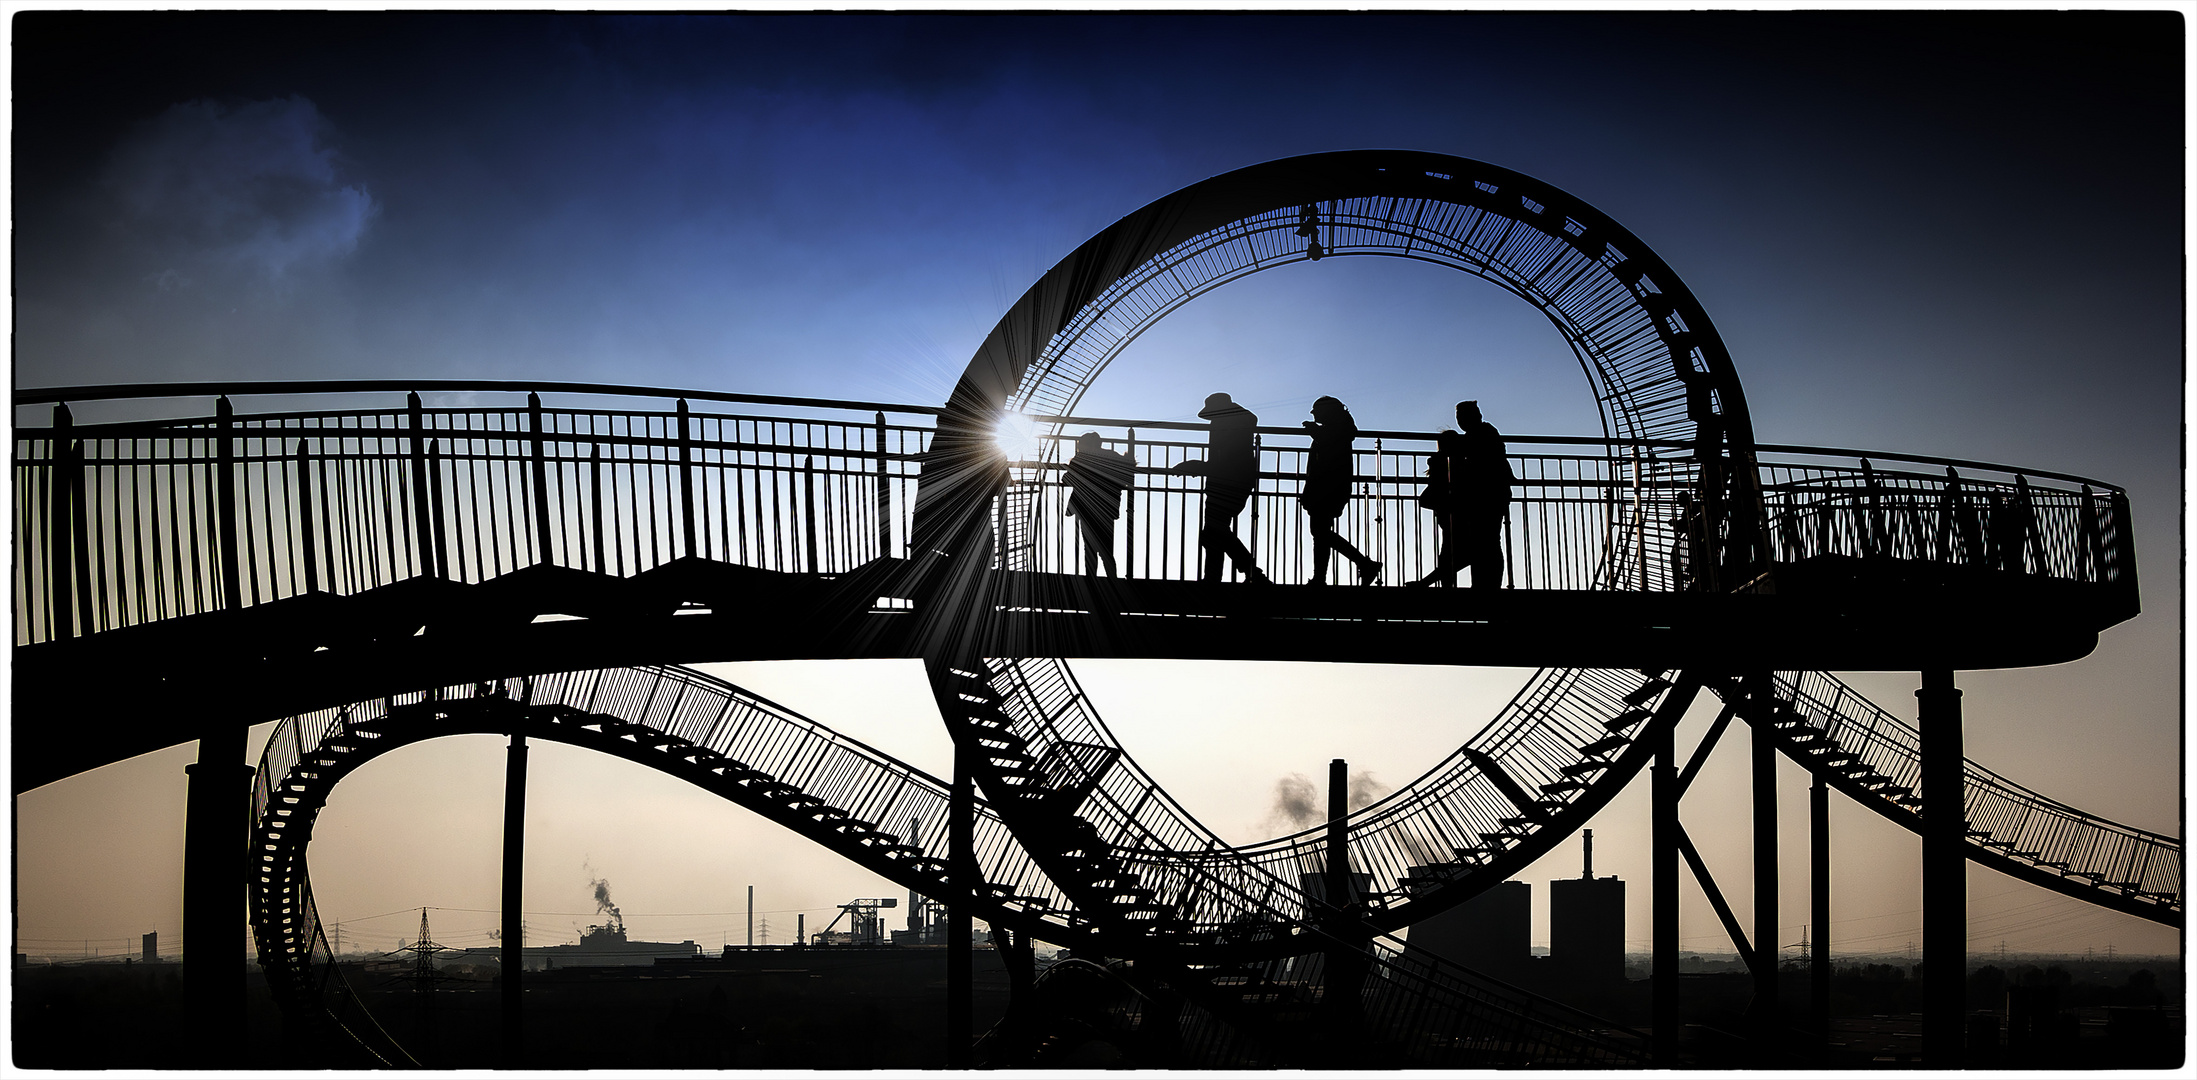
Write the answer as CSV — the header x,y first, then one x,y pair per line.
x,y
1096,477
2007,525
1689,551
1445,468
1481,496
1327,489
1231,471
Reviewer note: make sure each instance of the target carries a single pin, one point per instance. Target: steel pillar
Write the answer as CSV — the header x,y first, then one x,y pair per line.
x,y
1764,760
514,868
214,873
1819,910
1944,871
1663,906
961,855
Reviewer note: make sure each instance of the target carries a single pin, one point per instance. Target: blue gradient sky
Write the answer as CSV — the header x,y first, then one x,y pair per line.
x,y
1953,235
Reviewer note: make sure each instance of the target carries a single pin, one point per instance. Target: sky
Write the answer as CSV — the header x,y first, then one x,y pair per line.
x,y
1932,234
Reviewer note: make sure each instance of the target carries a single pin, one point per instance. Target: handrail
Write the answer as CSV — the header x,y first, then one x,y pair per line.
x,y
57,394
2135,870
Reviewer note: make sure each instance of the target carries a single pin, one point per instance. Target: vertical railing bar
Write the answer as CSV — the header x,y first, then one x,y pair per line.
x,y
617,535
423,521
250,460
686,482
544,552
562,501
160,577
808,514
305,517
884,499
137,592
232,593
595,494
393,507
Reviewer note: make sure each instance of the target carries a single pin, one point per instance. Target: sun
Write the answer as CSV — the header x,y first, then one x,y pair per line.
x,y
1017,436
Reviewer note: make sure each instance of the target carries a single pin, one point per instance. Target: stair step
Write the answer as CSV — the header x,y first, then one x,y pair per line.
x,y
1603,746
1625,720
1647,690
1562,787
1584,768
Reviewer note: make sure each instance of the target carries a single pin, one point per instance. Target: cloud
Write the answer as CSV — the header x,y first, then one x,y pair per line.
x,y
208,186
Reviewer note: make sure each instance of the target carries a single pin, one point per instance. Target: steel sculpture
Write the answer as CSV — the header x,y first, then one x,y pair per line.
x,y
383,573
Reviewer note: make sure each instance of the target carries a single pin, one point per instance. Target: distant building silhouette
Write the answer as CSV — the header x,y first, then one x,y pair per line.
x,y
1492,933
1587,925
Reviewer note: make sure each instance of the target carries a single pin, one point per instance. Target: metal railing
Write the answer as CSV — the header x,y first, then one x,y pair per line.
x,y
130,522
749,731
1456,817
127,523
2088,852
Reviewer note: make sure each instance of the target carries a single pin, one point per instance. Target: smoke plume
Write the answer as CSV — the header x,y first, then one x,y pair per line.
x,y
602,895
1300,804
1365,790
1296,804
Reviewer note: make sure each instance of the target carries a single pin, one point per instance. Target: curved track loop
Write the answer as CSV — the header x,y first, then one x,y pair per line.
x,y
820,784
1117,842
1569,739
883,814
1097,821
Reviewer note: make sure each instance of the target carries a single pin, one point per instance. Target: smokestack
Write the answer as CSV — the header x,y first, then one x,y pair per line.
x,y
801,928
1338,842
751,916
1589,875
915,900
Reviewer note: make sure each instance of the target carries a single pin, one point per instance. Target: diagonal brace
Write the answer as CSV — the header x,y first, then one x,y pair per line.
x,y
1716,898
1701,753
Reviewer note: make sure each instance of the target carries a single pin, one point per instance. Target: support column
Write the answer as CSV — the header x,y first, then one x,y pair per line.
x,y
1767,1025
1663,906
214,866
1819,910
232,580
961,854
514,877
1944,871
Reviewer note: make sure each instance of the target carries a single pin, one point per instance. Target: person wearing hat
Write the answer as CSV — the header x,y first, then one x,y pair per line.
x,y
1096,477
1327,489
1231,471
